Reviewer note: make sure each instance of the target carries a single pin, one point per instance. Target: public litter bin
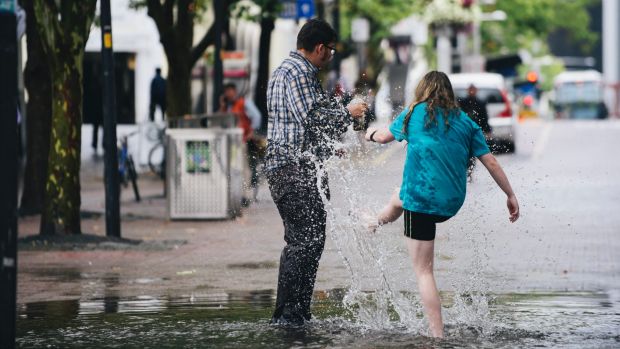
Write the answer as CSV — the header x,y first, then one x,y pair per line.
x,y
204,174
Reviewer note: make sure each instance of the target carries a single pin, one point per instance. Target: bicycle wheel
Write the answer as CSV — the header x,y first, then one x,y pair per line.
x,y
157,160
131,173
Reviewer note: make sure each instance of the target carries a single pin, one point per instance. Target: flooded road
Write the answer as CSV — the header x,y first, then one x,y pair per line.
x,y
550,280
240,320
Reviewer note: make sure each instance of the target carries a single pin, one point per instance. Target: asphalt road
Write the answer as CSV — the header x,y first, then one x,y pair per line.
x,y
565,175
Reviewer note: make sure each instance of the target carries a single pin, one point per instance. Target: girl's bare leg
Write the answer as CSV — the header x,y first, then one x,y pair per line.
x,y
392,210
422,254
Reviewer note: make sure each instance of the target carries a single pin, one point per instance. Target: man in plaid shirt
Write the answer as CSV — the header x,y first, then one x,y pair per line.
x,y
304,124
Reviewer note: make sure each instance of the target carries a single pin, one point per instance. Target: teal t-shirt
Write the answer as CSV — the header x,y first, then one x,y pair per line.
x,y
435,174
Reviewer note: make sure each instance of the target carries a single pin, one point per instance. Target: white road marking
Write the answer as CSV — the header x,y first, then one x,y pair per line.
x,y
541,143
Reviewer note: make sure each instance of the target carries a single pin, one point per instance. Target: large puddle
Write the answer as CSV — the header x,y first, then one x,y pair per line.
x,y
240,320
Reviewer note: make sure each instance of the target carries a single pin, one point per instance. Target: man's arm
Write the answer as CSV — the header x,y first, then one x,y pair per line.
x,y
253,113
314,109
309,102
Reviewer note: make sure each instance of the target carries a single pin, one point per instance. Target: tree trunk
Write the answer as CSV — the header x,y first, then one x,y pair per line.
x,y
178,86
62,200
64,29
176,37
262,77
38,117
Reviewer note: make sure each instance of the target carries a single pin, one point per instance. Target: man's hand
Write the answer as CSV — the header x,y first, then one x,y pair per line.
x,y
357,109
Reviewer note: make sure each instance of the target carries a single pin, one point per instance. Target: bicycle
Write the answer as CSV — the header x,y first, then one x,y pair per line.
x,y
126,166
157,154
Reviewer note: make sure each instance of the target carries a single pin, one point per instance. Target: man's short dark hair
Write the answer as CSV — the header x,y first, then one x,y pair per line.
x,y
314,32
230,85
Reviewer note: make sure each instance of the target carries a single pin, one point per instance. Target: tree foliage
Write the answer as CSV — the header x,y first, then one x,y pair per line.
x,y
529,20
382,15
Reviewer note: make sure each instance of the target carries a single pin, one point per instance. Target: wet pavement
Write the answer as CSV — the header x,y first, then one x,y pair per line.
x,y
549,280
239,320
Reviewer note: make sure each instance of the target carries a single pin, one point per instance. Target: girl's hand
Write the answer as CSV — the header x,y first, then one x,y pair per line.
x,y
369,131
513,208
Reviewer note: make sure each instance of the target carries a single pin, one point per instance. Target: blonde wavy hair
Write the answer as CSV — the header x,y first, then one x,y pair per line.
x,y
436,90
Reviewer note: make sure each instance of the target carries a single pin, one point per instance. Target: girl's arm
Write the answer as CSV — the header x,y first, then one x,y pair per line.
x,y
496,171
379,135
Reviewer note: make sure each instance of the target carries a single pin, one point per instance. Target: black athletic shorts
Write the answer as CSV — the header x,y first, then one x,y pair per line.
x,y
421,226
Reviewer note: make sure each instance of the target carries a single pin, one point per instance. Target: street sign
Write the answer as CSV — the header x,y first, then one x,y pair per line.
x,y
305,8
7,5
295,9
289,9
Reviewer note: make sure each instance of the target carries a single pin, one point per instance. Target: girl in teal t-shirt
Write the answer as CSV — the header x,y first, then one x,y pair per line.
x,y
441,139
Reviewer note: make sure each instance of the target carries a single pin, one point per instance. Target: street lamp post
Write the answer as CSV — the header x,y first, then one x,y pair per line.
x,y
360,34
444,48
112,189
476,58
611,55
336,25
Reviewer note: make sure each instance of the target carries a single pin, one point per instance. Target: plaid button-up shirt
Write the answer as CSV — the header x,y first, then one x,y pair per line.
x,y
304,122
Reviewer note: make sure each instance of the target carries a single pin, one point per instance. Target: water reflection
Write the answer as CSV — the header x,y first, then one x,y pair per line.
x,y
240,320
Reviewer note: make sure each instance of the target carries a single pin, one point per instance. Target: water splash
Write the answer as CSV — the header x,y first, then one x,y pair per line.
x,y
383,292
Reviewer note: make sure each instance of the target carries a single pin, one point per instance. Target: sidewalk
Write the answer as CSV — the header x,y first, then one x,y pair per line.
x,y
176,258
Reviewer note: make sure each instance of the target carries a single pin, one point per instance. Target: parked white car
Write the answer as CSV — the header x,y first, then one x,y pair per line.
x,y
492,90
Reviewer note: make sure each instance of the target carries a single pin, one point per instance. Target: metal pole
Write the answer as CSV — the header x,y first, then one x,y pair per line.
x,y
444,50
112,189
361,57
8,176
218,69
476,37
336,22
611,54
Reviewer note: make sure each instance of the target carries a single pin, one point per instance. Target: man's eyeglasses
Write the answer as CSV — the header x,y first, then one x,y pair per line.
x,y
332,49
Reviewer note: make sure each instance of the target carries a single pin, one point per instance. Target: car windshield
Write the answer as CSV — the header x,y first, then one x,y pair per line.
x,y
488,95
588,91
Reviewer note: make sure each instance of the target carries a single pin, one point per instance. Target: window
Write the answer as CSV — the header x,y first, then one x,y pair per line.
x,y
124,65
488,95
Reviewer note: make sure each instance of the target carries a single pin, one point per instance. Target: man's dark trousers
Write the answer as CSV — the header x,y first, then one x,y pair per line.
x,y
294,191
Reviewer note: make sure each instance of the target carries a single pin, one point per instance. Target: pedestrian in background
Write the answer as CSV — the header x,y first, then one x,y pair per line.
x,y
158,95
303,123
249,120
476,109
93,103
441,139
